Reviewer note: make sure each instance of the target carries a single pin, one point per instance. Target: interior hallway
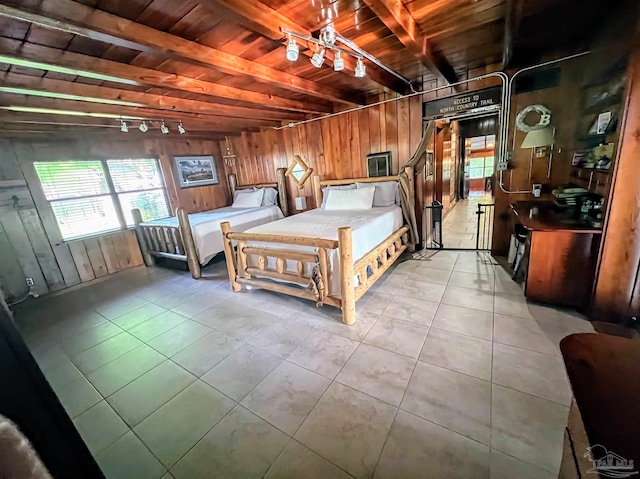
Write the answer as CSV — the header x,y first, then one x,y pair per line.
x,y
460,225
448,372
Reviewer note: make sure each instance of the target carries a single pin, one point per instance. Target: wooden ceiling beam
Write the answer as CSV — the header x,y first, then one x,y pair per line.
x,y
398,19
78,19
188,119
78,64
262,19
513,18
95,93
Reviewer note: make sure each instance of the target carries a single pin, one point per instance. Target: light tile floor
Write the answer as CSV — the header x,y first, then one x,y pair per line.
x,y
448,372
460,225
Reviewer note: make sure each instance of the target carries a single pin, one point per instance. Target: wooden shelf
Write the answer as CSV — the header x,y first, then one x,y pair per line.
x,y
597,170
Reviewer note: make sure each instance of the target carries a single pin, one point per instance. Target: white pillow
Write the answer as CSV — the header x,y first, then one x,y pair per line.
x,y
270,197
252,199
386,192
358,199
242,192
325,192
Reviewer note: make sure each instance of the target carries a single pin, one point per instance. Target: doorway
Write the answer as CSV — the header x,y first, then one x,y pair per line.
x,y
464,167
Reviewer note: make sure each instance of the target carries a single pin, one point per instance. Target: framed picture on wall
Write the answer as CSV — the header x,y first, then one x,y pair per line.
x,y
379,164
428,165
195,171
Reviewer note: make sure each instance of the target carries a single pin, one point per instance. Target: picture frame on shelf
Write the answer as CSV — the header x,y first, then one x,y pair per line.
x,y
194,171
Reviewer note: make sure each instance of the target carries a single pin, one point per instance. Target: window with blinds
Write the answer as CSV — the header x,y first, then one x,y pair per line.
x,y
92,197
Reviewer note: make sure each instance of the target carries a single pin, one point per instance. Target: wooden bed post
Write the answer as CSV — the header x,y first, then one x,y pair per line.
x,y
229,256
317,191
144,248
347,290
409,171
281,179
233,183
189,244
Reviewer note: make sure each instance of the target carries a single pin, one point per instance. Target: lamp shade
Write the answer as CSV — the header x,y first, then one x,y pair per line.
x,y
538,138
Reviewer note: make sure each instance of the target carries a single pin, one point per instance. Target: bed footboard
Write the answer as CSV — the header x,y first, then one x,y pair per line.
x,y
168,241
311,273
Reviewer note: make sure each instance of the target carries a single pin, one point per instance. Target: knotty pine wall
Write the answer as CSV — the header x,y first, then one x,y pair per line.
x,y
337,147
29,241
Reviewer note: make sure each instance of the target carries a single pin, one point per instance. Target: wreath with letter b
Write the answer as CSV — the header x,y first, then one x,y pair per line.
x,y
543,122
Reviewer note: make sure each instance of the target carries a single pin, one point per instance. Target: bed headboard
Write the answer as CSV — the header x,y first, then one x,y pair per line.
x,y
407,189
318,184
280,184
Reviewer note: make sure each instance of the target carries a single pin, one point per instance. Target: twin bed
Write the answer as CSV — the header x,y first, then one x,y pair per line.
x,y
330,255
196,238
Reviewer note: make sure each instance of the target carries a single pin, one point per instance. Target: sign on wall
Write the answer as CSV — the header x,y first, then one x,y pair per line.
x,y
480,100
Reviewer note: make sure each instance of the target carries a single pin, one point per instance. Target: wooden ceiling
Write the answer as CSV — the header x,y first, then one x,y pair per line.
x,y
74,67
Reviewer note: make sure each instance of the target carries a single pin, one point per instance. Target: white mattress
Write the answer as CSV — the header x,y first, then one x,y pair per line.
x,y
206,226
369,228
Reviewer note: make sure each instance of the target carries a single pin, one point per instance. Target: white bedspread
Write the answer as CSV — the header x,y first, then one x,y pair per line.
x,y
369,227
206,226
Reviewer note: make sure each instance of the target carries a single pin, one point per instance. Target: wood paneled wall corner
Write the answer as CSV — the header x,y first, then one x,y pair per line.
x,y
54,264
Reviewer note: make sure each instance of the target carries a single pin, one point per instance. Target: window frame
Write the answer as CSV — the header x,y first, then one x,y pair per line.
x,y
112,193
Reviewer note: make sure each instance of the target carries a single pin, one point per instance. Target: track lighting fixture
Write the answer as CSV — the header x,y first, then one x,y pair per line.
x,y
338,62
164,128
330,39
293,50
318,58
143,127
123,126
360,70
181,129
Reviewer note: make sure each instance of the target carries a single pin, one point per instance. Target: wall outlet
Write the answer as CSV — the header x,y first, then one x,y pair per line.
x,y
503,163
30,282
537,190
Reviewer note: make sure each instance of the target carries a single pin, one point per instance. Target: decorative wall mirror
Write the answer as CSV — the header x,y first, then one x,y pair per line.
x,y
299,171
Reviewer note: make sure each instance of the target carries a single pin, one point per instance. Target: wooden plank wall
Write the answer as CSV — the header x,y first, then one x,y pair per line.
x,y
564,101
54,264
337,147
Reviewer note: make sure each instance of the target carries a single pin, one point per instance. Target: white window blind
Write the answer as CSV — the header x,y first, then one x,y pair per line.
x,y
92,197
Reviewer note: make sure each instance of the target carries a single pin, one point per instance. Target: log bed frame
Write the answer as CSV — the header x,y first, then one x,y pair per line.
x,y
177,243
314,286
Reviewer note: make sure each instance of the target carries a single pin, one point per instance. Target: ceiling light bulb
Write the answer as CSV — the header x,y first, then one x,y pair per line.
x,y
163,128
318,58
181,129
123,126
360,69
338,62
143,127
293,50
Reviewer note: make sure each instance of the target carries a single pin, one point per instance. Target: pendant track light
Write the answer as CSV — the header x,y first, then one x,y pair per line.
x,y
330,39
123,126
164,128
338,62
293,50
318,58
143,127
360,70
181,129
